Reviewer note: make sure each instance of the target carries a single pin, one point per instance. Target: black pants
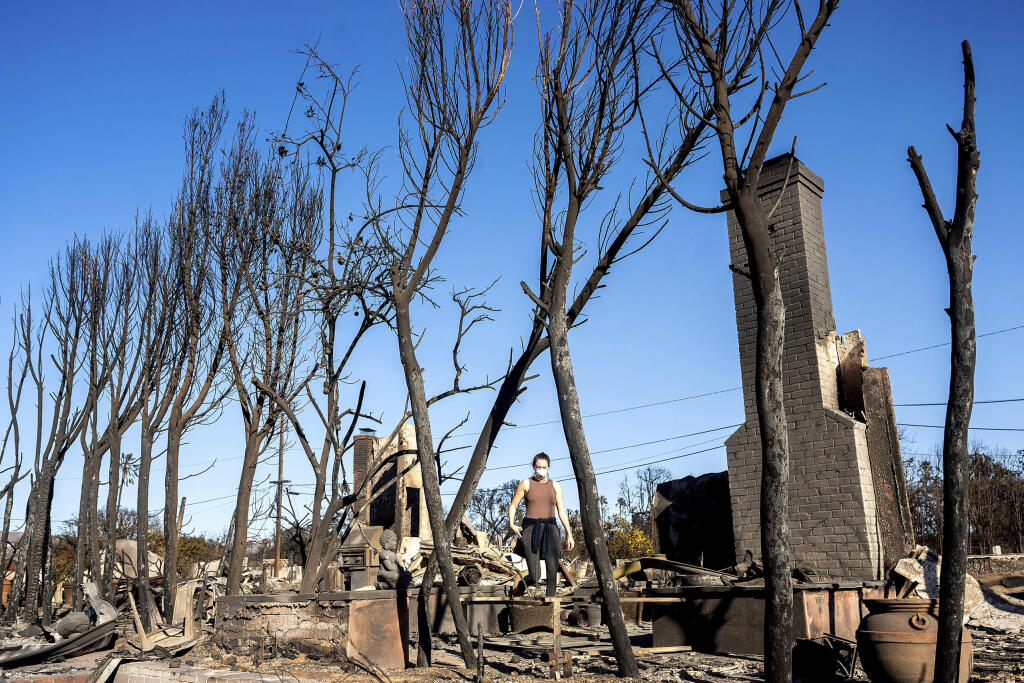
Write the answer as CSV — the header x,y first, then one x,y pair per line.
x,y
554,548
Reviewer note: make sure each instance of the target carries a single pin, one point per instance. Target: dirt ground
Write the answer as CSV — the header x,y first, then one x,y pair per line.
x,y
998,657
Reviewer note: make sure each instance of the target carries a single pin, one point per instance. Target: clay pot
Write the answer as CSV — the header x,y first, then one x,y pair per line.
x,y
594,614
577,616
896,642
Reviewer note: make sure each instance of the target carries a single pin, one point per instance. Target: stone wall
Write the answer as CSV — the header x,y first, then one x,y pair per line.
x,y
367,626
989,565
288,624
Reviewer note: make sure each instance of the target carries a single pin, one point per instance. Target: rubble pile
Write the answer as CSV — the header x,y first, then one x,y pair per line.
x,y
477,562
919,575
73,634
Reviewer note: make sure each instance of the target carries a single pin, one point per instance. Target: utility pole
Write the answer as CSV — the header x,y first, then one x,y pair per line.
x,y
280,484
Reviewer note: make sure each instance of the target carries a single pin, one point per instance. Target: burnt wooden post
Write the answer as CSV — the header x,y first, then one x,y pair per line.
x,y
556,631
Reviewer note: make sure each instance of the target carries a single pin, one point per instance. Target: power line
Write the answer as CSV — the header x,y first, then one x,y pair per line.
x,y
977,403
939,454
670,438
634,464
616,410
939,346
650,462
731,389
973,429
628,446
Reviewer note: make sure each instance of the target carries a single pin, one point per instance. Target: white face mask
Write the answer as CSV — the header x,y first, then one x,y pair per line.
x,y
541,472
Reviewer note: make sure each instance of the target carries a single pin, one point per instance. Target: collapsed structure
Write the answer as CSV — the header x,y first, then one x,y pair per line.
x,y
400,503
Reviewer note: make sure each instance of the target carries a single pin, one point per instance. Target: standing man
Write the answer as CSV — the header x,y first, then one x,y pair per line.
x,y
539,533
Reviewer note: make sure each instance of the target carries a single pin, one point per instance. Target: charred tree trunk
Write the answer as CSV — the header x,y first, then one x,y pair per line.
x,y
241,518
84,534
771,415
509,391
49,582
145,591
94,522
955,531
586,483
5,534
38,542
113,486
955,239
431,483
174,429
706,34
17,594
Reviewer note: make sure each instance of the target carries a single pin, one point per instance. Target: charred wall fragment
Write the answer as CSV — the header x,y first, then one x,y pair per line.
x,y
693,520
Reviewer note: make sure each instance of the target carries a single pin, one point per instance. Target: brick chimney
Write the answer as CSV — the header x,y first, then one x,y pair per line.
x,y
362,455
833,522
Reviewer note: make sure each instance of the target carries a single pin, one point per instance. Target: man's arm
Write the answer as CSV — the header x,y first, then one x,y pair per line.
x,y
520,493
570,542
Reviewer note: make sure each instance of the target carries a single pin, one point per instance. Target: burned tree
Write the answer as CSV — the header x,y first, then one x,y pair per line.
x,y
668,160
121,335
344,278
955,237
261,299
12,438
156,336
99,262
458,56
589,83
57,336
196,364
724,49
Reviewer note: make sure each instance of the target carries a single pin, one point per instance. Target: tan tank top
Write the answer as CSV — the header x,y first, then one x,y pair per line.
x,y
540,499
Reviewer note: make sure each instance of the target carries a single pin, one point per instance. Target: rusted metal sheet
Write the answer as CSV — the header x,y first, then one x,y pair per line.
x,y
711,620
98,637
730,619
492,617
814,618
846,613
378,632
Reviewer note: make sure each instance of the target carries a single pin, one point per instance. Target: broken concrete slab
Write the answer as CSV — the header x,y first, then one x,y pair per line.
x,y
75,670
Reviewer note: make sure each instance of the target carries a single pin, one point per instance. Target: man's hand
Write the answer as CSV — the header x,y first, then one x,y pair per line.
x,y
517,530
570,542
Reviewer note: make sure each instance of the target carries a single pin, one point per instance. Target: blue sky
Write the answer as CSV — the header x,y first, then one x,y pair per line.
x,y
95,96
